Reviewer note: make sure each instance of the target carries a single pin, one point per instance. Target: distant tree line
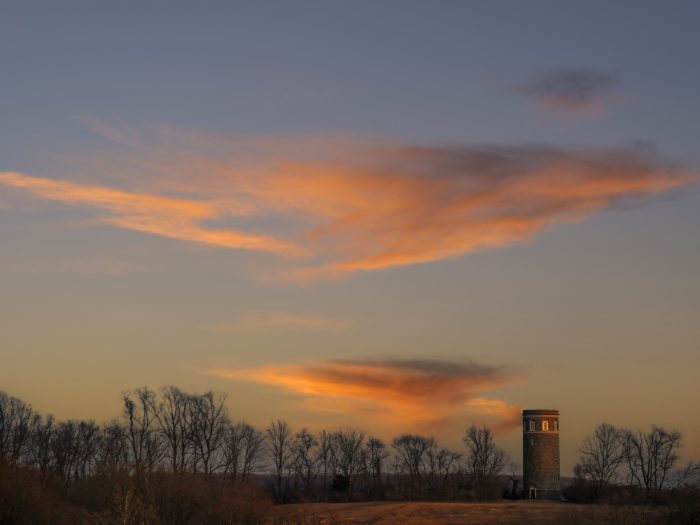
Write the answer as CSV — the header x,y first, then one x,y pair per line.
x,y
178,457
171,439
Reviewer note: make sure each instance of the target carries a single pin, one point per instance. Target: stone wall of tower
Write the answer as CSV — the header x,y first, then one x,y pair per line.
x,y
541,454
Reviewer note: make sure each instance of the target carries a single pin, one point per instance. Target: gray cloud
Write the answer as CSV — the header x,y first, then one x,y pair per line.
x,y
580,91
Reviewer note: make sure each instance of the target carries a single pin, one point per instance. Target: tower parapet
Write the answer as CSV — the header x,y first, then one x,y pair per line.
x,y
541,454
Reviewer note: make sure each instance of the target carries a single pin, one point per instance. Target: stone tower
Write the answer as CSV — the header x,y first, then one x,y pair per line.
x,y
541,454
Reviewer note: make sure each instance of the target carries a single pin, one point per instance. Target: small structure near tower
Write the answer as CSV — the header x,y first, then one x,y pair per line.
x,y
541,454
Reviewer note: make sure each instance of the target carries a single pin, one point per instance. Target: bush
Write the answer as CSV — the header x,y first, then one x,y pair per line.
x,y
25,500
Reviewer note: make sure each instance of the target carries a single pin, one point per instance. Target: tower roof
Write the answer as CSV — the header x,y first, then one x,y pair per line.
x,y
540,412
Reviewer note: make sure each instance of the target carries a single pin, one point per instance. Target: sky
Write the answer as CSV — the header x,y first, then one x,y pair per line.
x,y
401,216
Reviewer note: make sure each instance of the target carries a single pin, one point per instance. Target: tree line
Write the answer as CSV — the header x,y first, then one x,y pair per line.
x,y
647,462
171,434
174,454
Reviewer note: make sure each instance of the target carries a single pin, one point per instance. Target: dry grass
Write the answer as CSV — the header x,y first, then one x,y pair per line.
x,y
495,513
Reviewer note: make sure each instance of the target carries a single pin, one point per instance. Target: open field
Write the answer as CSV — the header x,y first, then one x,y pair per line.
x,y
432,513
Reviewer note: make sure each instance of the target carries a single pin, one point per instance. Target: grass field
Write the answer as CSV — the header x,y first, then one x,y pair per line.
x,y
496,513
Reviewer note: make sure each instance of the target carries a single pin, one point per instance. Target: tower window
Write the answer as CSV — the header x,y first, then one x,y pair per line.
x,y
556,425
545,425
532,425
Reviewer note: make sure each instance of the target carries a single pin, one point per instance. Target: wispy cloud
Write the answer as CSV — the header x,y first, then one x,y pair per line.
x,y
577,92
349,206
418,393
271,320
176,218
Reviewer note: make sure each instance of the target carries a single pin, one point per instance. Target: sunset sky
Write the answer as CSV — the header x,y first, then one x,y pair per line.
x,y
396,215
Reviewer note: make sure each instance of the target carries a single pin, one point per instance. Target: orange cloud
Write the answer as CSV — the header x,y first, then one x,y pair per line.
x,y
351,206
165,216
417,393
427,204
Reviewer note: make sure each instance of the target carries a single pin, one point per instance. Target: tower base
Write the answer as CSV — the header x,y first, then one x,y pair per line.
x,y
540,494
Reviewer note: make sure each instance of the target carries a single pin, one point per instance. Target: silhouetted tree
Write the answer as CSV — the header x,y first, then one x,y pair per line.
x,y
15,427
243,448
376,454
87,444
40,456
602,455
175,424
142,432
448,462
441,463
253,442
112,457
304,459
650,457
209,420
485,459
279,441
233,450
327,460
350,455
411,454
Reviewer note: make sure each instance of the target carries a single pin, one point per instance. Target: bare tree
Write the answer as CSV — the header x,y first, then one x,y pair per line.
x,y
432,477
326,459
233,450
411,454
112,457
376,454
142,432
253,442
602,455
243,446
448,462
687,477
440,464
175,423
485,459
15,427
63,451
304,459
279,441
349,454
86,446
651,457
209,420
42,434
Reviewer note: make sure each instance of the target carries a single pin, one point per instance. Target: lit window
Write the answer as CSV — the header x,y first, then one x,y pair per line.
x,y
532,425
545,425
